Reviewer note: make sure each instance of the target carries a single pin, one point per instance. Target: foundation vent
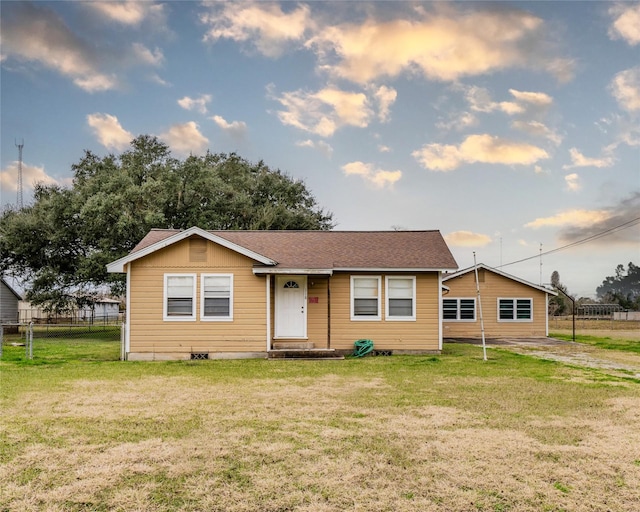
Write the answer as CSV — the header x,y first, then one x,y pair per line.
x,y
199,355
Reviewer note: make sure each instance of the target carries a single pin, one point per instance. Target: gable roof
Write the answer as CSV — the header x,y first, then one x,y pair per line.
x,y
315,251
17,295
462,272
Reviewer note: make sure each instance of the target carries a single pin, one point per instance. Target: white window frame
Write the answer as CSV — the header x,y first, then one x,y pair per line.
x,y
514,301
205,318
398,318
165,302
365,318
458,309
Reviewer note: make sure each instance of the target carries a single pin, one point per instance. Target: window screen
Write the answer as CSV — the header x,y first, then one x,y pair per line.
x,y
216,292
400,297
365,296
180,295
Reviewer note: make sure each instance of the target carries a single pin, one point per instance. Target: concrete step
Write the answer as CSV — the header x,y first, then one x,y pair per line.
x,y
319,353
293,345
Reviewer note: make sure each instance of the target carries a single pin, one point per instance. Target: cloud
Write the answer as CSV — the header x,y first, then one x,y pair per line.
x,y
478,149
324,111
538,129
467,239
129,12
625,88
35,34
458,121
385,97
265,25
576,225
626,24
235,128
31,174
446,44
626,130
321,146
109,132
377,177
576,217
185,139
384,149
197,104
573,182
144,55
480,100
579,160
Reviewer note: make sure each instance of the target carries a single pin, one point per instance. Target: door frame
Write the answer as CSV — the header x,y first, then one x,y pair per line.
x,y
279,281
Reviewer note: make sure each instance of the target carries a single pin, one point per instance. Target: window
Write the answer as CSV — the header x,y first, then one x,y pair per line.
x,y
463,310
365,298
179,297
515,310
216,297
401,293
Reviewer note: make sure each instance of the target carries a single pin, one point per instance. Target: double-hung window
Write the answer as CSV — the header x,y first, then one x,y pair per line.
x,y
179,297
515,310
216,297
365,297
401,297
462,310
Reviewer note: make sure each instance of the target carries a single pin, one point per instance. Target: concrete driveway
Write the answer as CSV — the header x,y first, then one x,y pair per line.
x,y
614,362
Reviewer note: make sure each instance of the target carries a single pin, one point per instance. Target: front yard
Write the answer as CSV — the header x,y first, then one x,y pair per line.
x,y
422,433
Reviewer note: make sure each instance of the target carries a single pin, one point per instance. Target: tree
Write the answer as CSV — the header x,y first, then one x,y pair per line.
x,y
60,244
559,305
622,288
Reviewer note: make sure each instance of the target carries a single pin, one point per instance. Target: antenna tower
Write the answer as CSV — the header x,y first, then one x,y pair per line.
x,y
20,201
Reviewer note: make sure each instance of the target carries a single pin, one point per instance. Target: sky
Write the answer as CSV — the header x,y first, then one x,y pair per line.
x,y
511,127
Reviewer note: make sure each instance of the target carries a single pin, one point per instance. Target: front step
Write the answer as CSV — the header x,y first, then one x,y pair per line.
x,y
313,353
293,345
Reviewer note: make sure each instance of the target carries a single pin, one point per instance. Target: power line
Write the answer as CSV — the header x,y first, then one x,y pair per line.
x,y
591,238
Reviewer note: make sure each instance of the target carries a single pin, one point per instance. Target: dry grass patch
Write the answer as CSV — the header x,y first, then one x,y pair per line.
x,y
394,434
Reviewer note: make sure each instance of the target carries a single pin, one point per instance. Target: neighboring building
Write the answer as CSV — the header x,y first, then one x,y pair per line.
x,y
9,299
511,307
105,310
197,293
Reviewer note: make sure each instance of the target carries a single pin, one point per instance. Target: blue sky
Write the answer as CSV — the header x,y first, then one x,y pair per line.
x,y
505,125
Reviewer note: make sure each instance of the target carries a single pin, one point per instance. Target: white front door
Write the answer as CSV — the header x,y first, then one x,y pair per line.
x,y
291,307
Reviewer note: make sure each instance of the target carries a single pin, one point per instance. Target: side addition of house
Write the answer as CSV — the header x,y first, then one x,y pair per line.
x,y
511,307
197,293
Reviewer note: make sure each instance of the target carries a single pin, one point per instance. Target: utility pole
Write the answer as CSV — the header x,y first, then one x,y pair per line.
x,y
20,203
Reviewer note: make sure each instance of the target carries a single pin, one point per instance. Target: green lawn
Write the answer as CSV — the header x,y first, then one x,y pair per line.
x,y
606,342
56,345
440,433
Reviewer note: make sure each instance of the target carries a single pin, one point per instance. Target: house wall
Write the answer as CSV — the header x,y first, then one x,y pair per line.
x,y
8,304
151,334
328,309
493,287
421,334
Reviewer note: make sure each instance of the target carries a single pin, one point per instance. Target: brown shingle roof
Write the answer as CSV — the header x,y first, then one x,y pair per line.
x,y
336,249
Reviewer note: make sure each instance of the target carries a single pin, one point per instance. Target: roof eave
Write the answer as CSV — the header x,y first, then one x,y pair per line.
x,y
503,274
393,269
298,271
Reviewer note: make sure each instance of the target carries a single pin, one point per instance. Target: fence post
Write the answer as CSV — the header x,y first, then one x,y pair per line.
x,y
30,341
1,339
122,340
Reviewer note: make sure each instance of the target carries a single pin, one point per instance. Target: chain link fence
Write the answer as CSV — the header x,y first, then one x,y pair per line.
x,y
60,342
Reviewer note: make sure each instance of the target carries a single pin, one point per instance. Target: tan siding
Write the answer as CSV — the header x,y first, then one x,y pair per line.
x,y
421,334
495,286
150,333
317,312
